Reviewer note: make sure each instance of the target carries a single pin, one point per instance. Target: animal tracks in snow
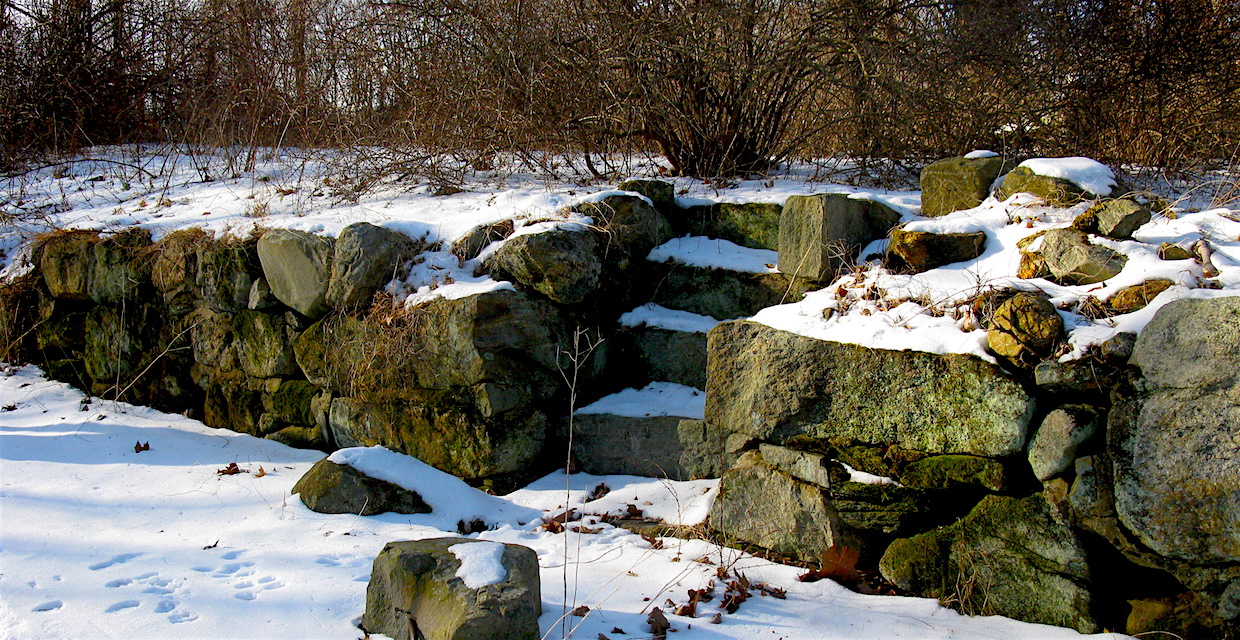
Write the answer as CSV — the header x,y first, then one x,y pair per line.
x,y
167,592
118,559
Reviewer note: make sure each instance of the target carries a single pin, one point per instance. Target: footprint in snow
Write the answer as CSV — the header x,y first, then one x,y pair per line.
x,y
51,605
118,559
121,606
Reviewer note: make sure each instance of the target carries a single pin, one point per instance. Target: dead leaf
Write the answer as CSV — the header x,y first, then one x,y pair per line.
x,y
655,543
838,563
581,611
212,545
716,619
603,637
617,630
261,472
231,470
689,610
633,511
551,526
138,447
658,623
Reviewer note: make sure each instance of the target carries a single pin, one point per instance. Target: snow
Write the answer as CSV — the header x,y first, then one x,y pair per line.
x,y
980,153
482,563
100,542
655,399
710,253
660,317
1090,175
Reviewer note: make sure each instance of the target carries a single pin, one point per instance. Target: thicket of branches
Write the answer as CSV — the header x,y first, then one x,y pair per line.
x,y
718,87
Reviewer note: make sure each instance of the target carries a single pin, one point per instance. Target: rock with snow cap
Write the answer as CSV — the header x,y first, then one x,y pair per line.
x,y
954,184
454,589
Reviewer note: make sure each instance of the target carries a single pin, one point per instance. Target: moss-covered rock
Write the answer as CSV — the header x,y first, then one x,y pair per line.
x,y
647,354
231,403
291,401
628,227
447,429
329,487
609,444
468,246
776,385
661,193
264,345
1008,557
1056,192
561,264
955,472
121,267
706,450
955,184
749,224
918,251
721,293
414,592
116,341
212,335
1025,325
1137,296
66,261
1116,218
819,234
300,437
1060,439
226,271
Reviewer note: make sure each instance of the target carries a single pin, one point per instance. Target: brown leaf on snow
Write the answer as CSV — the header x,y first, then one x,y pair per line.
x,y
261,472
838,562
231,470
139,447
581,611
658,623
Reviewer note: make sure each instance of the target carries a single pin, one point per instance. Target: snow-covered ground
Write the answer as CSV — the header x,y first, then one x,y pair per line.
x,y
100,541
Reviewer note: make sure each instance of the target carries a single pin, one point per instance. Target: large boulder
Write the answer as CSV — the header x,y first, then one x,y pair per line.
x,y
661,193
955,184
777,386
329,487
298,266
1173,444
918,251
366,257
1072,259
438,589
761,504
822,233
1009,557
264,345
562,264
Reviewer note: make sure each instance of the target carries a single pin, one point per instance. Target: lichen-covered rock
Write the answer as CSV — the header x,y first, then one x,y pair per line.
x,y
804,465
721,293
1075,378
448,430
955,184
1118,218
562,264
918,251
1072,259
290,402
298,266
67,263
1137,296
819,234
226,271
366,257
1008,557
749,224
661,193
212,336
759,503
1058,440
1056,192
121,267
1025,325
264,345
707,451
175,263
300,437
115,341
1170,251
415,593
1172,440
610,444
776,385
329,487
